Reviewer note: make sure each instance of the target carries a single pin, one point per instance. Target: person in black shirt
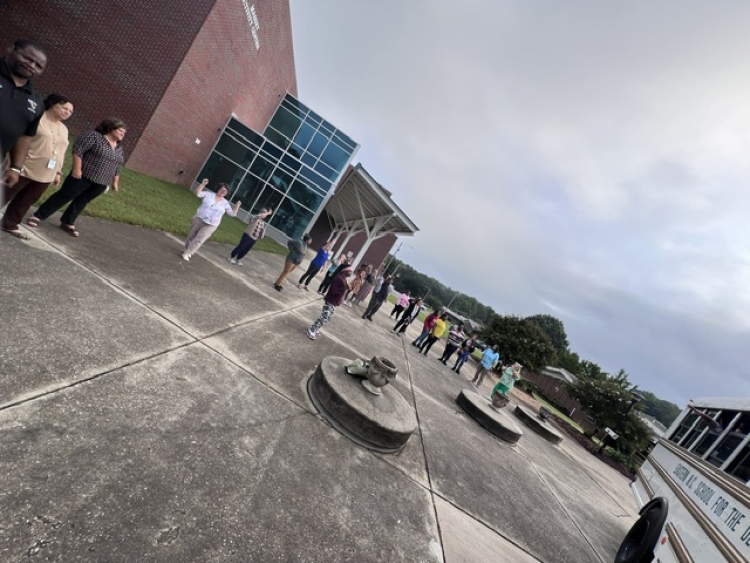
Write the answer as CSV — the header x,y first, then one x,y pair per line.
x,y
21,107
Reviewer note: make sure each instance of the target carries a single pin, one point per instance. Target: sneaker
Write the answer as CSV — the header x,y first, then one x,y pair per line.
x,y
233,260
239,263
311,335
277,287
185,256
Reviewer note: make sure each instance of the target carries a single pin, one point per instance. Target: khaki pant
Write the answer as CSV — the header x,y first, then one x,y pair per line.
x,y
200,232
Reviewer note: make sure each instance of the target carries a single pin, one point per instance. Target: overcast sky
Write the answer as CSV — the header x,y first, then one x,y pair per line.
x,y
585,159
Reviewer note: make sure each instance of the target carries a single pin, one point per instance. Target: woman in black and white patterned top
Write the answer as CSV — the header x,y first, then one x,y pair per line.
x,y
97,157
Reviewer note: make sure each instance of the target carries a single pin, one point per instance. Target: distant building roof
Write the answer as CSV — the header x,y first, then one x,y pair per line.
x,y
656,428
559,373
469,324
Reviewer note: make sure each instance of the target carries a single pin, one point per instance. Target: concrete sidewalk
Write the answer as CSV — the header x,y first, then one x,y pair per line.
x,y
153,409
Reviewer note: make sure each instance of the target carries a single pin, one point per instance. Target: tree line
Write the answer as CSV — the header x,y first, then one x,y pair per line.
x,y
539,341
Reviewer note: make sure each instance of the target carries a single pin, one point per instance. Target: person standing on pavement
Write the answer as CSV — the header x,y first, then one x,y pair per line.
x,y
297,250
97,158
455,338
508,379
21,107
427,325
401,303
436,332
315,266
467,347
366,287
356,284
208,216
332,299
490,357
378,297
334,269
255,231
43,163
412,312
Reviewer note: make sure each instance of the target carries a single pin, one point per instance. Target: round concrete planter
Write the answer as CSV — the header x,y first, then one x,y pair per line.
x,y
496,422
382,422
541,427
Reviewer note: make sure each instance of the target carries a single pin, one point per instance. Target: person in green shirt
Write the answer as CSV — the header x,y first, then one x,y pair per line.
x,y
507,379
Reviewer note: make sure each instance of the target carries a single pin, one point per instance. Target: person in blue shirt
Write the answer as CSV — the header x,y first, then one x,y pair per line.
x,y
490,357
315,266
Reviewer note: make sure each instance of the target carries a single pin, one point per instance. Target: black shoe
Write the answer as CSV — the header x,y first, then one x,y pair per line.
x,y
277,287
369,319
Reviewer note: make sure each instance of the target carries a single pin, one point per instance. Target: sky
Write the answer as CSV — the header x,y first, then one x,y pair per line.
x,y
588,160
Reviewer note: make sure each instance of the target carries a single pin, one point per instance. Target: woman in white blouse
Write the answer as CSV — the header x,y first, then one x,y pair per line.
x,y
208,216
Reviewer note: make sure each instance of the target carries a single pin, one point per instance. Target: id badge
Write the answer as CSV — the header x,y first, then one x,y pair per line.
x,y
51,163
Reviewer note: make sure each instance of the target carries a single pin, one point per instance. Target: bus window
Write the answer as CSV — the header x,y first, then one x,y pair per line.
x,y
725,420
740,466
684,427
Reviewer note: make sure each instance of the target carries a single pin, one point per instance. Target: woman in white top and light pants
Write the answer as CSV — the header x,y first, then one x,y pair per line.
x,y
208,217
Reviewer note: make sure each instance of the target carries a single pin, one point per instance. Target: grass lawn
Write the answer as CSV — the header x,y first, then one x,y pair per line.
x,y
557,413
159,205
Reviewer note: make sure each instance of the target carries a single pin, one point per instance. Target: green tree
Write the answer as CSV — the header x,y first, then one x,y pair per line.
x,y
663,411
553,328
570,361
520,341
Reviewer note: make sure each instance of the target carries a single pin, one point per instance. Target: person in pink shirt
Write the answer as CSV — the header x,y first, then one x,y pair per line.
x,y
401,303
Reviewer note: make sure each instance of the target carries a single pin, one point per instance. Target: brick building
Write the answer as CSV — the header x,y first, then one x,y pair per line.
x,y
174,71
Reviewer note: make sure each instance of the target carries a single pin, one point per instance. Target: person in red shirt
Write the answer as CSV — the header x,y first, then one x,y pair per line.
x,y
429,322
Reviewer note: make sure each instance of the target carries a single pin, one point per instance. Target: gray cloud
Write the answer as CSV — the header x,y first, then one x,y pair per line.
x,y
584,159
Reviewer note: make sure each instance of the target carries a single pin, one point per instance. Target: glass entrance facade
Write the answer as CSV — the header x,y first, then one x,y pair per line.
x,y
290,168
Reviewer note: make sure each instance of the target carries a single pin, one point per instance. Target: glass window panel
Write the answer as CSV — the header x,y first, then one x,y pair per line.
x,y
286,123
304,135
276,138
724,449
326,171
245,133
296,150
706,442
293,163
270,199
679,433
327,132
293,108
280,180
740,466
232,148
317,145
314,118
299,106
309,159
291,218
219,169
248,192
274,151
262,168
305,195
691,438
334,157
344,140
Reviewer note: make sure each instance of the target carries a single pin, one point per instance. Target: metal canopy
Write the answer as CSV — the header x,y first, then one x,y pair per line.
x,y
360,204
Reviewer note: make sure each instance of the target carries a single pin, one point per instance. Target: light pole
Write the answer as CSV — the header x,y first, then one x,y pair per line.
x,y
393,257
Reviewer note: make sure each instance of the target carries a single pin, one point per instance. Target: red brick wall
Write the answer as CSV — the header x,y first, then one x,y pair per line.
x,y
223,73
174,71
112,58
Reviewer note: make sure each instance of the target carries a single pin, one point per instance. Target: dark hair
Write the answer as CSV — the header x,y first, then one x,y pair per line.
x,y
55,99
110,124
23,43
306,237
222,185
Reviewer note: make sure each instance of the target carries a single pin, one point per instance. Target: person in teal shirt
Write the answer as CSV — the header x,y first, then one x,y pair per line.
x,y
508,379
490,356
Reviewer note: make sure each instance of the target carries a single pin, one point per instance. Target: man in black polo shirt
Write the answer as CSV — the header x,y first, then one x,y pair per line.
x,y
21,106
